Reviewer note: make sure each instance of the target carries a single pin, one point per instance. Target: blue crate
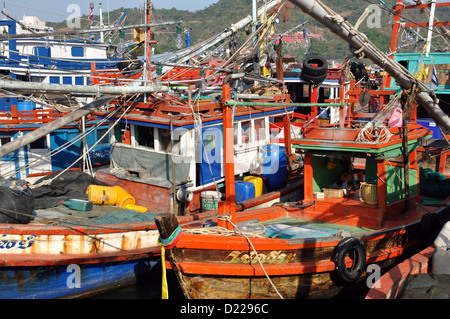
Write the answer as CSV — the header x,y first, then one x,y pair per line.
x,y
431,125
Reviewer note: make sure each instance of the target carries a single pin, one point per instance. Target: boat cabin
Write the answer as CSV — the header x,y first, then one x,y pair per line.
x,y
362,171
145,157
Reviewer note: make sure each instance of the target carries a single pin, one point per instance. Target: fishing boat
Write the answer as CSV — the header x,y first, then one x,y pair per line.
x,y
302,247
34,53
182,135
329,242
52,249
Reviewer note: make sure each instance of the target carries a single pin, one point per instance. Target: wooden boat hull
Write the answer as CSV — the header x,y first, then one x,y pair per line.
x,y
211,266
80,278
39,261
43,261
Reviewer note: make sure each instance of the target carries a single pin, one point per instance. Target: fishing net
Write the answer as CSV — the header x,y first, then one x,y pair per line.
x,y
69,185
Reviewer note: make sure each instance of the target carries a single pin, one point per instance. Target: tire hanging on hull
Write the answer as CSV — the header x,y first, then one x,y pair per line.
x,y
357,252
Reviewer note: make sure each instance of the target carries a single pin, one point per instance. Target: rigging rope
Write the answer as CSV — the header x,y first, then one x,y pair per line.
x,y
375,131
47,182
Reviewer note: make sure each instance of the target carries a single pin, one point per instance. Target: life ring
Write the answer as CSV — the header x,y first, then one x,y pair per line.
x,y
357,252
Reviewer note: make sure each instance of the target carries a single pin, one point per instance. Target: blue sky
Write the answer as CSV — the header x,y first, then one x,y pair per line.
x,y
56,10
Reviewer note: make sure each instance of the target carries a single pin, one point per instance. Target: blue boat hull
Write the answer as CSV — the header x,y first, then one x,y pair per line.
x,y
69,281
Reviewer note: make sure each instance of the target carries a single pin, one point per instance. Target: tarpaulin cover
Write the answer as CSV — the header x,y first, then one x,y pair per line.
x,y
159,164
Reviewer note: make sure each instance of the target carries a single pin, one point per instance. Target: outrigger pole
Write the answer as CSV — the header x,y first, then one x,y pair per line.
x,y
363,46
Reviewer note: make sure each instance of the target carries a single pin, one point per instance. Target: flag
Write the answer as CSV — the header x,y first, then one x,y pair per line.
x,y
421,75
91,17
434,80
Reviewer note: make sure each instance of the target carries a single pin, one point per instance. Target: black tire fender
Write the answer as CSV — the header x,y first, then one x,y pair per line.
x,y
315,66
313,79
357,251
291,74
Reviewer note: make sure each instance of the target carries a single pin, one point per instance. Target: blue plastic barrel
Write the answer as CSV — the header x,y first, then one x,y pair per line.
x,y
25,106
244,191
274,166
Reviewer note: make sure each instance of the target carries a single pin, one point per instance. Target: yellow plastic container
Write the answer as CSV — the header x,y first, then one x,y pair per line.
x,y
102,195
257,181
106,195
123,198
140,209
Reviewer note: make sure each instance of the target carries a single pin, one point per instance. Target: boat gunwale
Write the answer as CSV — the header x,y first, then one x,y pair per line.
x,y
325,241
22,260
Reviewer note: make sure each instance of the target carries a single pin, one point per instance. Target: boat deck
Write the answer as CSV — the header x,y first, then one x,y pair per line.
x,y
290,227
99,215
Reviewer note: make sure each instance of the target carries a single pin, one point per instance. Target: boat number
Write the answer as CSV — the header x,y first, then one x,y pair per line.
x,y
23,244
273,257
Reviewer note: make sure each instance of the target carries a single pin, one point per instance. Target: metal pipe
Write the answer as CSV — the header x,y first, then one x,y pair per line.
x,y
233,103
74,89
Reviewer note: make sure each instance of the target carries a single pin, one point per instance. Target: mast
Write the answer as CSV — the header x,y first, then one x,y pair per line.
x,y
148,46
101,22
226,33
430,27
363,46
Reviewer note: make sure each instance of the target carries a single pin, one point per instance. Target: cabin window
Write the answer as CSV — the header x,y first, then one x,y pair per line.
x,y
77,51
245,132
67,80
122,133
54,79
235,133
145,136
102,133
79,80
165,143
326,93
404,63
210,142
260,130
39,143
4,140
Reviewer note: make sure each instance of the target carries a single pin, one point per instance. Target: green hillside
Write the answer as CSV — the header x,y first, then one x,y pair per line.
x,y
217,17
